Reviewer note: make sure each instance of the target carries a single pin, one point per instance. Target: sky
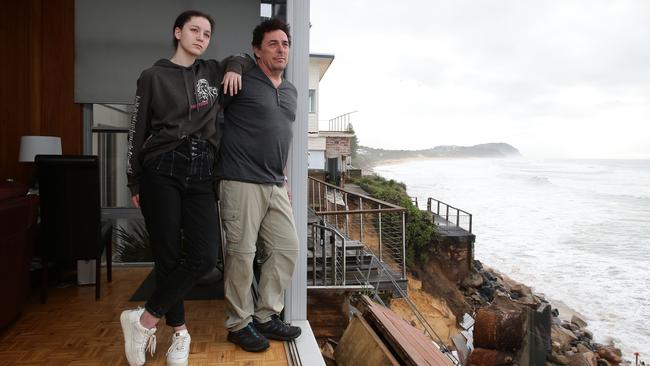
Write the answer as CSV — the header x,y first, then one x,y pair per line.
x,y
554,78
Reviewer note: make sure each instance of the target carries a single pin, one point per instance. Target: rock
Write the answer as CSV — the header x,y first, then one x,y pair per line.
x,y
583,359
587,334
570,326
611,354
528,300
581,348
603,362
562,336
475,280
521,290
558,358
591,357
555,312
578,321
486,292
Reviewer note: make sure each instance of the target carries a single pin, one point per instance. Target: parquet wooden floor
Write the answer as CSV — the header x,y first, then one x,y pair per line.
x,y
74,329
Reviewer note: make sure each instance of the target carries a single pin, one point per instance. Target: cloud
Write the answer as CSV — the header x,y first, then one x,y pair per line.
x,y
426,73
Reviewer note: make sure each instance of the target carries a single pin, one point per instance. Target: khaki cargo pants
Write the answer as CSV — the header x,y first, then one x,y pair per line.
x,y
249,211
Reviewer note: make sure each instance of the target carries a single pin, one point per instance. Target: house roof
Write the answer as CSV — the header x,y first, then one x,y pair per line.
x,y
322,60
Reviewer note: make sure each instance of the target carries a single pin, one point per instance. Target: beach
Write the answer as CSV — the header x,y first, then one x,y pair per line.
x,y
574,230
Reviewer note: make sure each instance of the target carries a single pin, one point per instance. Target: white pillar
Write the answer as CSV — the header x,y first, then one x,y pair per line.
x,y
298,74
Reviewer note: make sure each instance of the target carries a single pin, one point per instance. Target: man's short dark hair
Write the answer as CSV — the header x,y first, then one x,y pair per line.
x,y
269,25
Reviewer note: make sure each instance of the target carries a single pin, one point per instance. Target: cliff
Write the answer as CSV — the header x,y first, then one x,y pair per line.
x,y
367,156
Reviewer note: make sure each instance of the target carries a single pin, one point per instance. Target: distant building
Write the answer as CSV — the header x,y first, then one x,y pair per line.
x,y
329,150
318,65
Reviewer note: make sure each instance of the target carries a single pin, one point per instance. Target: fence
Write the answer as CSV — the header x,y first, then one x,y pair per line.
x,y
448,215
379,226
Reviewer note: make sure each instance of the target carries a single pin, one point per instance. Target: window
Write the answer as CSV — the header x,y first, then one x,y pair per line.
x,y
312,100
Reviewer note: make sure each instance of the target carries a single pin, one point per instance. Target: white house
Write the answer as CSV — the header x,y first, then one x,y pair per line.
x,y
318,65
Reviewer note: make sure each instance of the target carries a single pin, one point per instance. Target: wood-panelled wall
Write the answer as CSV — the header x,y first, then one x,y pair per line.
x,y
37,76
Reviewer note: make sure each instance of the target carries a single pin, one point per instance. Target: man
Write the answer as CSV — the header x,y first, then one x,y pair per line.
x,y
253,192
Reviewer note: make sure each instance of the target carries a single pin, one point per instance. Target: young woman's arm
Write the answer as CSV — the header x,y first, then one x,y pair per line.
x,y
234,67
138,132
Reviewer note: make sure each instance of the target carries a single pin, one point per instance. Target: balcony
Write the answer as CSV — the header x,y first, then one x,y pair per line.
x,y
354,241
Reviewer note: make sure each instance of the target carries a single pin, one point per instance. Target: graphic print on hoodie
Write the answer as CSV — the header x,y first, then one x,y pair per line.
x,y
174,102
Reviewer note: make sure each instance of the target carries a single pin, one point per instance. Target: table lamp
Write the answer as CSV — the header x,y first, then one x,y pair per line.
x,y
30,146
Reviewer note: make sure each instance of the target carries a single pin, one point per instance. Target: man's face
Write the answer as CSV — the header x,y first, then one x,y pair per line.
x,y
274,51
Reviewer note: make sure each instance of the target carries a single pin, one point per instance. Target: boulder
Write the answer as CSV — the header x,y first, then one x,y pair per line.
x,y
558,358
611,354
570,326
475,280
587,334
562,336
591,357
583,359
578,321
581,348
555,313
603,362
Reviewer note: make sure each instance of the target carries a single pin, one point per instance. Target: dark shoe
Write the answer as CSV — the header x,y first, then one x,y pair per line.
x,y
277,329
249,339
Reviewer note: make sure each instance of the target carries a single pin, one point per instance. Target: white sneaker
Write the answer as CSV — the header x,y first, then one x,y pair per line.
x,y
137,339
179,352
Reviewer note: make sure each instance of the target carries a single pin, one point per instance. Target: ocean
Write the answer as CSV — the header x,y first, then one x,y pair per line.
x,y
577,231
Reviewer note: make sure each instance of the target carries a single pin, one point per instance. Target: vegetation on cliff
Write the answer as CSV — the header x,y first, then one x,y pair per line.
x,y
419,230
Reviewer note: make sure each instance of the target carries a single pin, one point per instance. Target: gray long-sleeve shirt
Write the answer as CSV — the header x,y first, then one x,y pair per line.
x,y
257,131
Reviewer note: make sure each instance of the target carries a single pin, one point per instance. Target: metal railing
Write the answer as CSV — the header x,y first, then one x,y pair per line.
x,y
329,247
425,327
448,215
341,123
378,225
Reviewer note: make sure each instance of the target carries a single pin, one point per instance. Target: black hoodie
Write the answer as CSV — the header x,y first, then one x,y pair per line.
x,y
173,102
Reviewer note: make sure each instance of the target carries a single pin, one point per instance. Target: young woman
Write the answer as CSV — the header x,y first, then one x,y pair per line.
x,y
172,142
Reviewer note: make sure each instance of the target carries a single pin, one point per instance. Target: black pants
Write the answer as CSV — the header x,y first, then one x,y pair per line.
x,y
178,204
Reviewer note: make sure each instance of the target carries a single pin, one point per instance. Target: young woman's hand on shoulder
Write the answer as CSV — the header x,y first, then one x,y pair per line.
x,y
231,83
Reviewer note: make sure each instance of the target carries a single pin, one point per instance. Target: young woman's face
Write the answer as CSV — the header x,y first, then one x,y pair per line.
x,y
194,37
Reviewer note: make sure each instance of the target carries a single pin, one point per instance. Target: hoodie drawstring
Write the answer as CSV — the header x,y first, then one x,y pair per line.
x,y
189,98
194,87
